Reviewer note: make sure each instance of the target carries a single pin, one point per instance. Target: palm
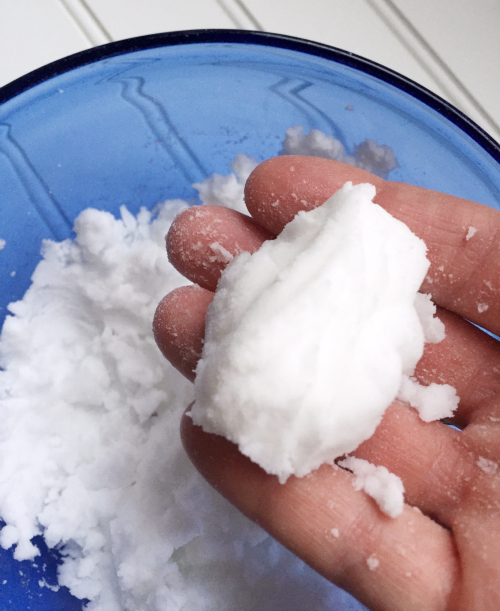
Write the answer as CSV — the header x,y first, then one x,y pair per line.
x,y
445,556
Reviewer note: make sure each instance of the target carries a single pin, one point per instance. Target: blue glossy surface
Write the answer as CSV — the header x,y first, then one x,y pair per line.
x,y
136,126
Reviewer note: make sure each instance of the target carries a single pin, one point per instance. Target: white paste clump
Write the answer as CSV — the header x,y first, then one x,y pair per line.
x,y
308,339
385,488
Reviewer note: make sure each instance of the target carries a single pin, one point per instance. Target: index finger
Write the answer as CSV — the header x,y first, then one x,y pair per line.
x,y
461,236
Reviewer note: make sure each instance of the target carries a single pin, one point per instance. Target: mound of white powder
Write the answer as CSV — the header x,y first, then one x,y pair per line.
x,y
90,454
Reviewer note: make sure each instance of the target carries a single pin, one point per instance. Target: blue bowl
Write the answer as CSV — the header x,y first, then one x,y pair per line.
x,y
139,121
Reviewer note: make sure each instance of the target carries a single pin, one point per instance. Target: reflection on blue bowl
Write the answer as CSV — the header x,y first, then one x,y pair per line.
x,y
138,121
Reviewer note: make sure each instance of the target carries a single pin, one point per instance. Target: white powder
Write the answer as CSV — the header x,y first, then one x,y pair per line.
x,y
309,339
372,562
228,189
368,155
2,244
385,488
433,402
90,453
471,231
488,466
482,307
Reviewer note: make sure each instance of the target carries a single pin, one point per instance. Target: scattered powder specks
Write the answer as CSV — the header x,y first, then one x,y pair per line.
x,y
471,231
372,562
482,307
488,466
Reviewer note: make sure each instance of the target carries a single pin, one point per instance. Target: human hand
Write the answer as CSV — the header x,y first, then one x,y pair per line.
x,y
443,551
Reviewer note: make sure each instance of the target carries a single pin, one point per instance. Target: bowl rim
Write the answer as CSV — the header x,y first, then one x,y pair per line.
x,y
253,37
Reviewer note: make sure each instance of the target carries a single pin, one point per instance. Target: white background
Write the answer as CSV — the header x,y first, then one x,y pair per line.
x,y
450,46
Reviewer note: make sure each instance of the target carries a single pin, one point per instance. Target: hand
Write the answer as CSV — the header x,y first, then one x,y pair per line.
x,y
443,551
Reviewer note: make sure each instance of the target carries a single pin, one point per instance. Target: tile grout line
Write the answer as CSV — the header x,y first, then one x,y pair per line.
x,y
429,59
240,14
87,21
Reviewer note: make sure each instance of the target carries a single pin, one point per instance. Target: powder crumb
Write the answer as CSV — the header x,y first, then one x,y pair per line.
x,y
433,402
471,231
488,466
335,532
372,562
385,488
2,244
493,419
482,307
43,584
222,254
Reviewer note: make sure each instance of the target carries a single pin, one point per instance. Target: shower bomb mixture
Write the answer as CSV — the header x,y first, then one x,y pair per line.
x,y
90,454
311,338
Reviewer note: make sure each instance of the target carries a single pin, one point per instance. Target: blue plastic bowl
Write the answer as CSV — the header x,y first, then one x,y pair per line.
x,y
138,121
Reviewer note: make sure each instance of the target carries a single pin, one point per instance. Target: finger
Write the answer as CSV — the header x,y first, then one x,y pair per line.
x,y
465,270
203,239
336,530
179,327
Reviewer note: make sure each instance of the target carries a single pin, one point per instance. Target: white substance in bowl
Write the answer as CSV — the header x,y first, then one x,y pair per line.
x,y
309,339
90,454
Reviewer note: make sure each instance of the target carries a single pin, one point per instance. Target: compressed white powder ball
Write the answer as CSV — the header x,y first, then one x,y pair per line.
x,y
385,488
308,339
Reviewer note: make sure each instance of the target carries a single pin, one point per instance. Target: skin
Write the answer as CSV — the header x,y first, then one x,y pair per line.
x,y
443,552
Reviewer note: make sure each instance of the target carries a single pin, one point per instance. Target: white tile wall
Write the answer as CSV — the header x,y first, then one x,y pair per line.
x,y
450,46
